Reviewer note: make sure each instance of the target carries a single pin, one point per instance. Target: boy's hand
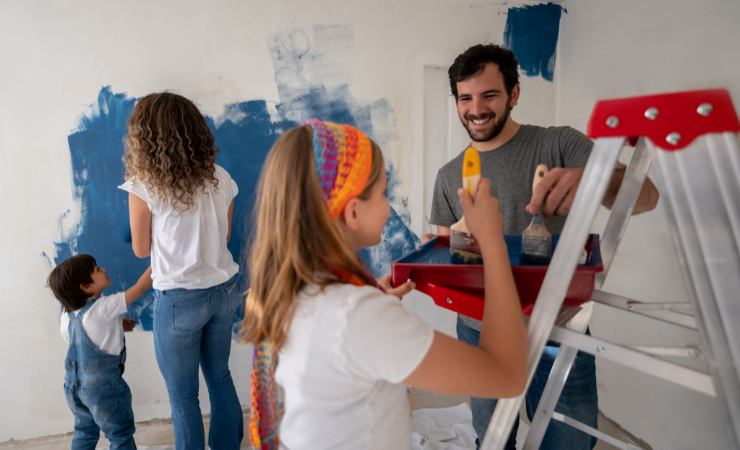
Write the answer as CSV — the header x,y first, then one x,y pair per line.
x,y
399,291
483,213
128,325
143,284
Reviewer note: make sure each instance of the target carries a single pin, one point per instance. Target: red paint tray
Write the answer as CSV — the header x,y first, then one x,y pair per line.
x,y
459,287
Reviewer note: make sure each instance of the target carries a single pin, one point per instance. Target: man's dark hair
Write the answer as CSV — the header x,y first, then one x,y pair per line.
x,y
472,61
65,280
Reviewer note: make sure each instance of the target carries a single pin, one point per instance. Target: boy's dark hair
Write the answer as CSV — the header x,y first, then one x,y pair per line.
x,y
472,61
65,280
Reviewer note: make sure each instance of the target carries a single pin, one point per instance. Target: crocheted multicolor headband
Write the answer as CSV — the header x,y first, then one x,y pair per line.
x,y
343,157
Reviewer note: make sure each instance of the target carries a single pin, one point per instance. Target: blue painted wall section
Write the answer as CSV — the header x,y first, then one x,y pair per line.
x,y
532,34
244,135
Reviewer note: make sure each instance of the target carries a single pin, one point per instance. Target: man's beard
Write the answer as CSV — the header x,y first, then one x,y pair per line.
x,y
498,125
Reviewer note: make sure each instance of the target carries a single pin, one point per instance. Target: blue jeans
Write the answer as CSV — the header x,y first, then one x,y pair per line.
x,y
192,327
578,400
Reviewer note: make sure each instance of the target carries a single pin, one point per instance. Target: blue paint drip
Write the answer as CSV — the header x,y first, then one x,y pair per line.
x,y
532,34
97,170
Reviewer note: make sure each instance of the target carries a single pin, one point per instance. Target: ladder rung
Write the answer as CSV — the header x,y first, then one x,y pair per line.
x,y
608,438
637,307
640,361
689,351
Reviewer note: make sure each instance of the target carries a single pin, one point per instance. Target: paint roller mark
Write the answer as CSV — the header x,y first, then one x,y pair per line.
x,y
397,240
298,55
244,144
244,134
532,34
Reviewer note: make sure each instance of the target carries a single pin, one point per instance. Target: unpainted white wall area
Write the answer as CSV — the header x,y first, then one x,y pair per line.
x,y
57,56
627,48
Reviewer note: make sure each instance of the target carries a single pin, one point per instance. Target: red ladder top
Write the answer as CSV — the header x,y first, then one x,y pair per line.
x,y
672,121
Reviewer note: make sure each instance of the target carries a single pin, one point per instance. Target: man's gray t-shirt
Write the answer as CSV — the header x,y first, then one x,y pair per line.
x,y
511,170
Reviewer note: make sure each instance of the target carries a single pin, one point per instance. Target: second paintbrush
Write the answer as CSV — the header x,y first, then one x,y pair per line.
x,y
536,239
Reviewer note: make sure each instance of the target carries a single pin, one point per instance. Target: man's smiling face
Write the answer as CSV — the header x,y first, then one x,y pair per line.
x,y
483,104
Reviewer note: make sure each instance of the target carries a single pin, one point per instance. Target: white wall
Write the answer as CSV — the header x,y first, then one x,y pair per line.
x,y
57,55
627,48
55,58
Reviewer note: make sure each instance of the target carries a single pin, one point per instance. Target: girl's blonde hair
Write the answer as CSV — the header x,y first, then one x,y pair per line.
x,y
170,149
296,241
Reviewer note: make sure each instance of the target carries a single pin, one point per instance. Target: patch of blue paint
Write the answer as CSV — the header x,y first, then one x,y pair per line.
x,y
243,146
532,34
244,135
96,149
397,241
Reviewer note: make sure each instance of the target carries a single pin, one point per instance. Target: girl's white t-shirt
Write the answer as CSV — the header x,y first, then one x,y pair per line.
x,y
348,350
102,323
189,247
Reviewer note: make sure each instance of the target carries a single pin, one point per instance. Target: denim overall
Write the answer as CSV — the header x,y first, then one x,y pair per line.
x,y
96,392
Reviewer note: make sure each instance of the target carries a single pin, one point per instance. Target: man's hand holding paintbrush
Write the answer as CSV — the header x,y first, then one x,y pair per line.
x,y
554,193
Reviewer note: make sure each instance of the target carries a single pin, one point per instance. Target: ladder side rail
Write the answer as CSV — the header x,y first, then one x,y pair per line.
x,y
551,393
713,261
688,236
624,203
721,247
591,189
710,212
725,156
549,399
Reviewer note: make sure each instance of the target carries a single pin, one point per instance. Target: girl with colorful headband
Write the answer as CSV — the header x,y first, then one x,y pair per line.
x,y
347,349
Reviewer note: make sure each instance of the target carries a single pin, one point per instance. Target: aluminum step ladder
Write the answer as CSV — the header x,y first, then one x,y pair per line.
x,y
691,140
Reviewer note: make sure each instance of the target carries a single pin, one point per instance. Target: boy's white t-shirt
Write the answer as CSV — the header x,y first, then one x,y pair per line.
x,y
102,323
348,350
189,247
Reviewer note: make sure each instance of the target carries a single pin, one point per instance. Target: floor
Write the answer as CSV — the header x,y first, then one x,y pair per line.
x,y
157,434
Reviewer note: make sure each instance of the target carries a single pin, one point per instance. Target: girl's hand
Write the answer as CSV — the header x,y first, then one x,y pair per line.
x,y
483,213
399,291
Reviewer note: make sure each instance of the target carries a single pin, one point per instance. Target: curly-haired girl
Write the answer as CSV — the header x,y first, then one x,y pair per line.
x,y
180,209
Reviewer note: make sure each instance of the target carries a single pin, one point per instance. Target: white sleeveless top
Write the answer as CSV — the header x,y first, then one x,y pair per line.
x,y
189,247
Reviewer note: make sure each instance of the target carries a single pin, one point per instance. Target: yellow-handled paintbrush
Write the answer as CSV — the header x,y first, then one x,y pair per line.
x,y
462,243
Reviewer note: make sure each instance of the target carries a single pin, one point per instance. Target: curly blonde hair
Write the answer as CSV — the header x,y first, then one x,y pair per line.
x,y
170,149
